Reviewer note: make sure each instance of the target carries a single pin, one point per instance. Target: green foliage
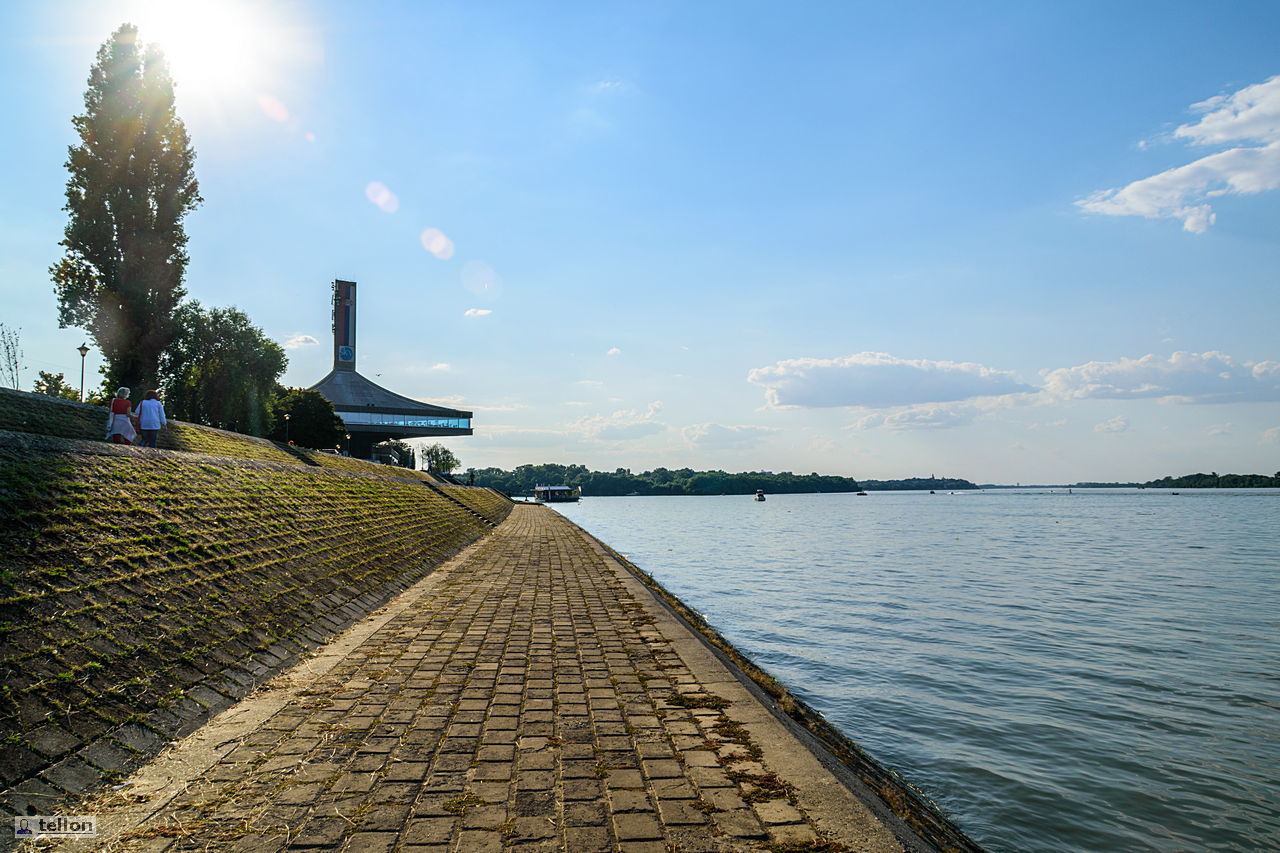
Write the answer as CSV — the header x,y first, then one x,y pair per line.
x,y
121,568
918,484
403,451
221,368
1217,481
312,422
660,481
437,457
132,183
55,385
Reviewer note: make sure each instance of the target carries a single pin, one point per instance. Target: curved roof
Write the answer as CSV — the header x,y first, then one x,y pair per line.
x,y
349,391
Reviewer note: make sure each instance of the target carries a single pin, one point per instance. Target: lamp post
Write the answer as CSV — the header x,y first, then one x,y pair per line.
x,y
348,443
83,350
286,427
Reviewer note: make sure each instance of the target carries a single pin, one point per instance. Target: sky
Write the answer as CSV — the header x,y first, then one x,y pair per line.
x,y
1010,242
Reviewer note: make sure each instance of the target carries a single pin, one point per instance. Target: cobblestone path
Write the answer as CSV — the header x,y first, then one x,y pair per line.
x,y
534,696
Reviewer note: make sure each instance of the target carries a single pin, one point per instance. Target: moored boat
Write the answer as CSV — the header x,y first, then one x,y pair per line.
x,y
759,494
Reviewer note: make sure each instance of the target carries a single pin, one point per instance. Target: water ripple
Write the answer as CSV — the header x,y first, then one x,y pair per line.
x,y
1065,673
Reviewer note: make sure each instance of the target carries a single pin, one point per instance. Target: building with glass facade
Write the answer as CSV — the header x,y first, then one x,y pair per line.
x,y
372,413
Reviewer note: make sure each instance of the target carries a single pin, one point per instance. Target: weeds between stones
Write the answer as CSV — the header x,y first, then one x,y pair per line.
x,y
763,787
699,700
818,845
461,805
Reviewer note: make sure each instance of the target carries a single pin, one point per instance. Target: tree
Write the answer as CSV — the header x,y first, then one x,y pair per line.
x,y
55,385
221,368
437,457
132,183
404,452
10,357
312,422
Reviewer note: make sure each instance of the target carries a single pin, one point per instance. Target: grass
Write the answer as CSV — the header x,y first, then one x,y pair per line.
x,y
123,570
21,411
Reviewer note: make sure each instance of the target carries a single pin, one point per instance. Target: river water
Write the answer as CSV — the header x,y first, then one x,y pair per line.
x,y
1083,672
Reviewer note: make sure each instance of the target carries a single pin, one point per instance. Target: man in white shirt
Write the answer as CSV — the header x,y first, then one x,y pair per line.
x,y
151,418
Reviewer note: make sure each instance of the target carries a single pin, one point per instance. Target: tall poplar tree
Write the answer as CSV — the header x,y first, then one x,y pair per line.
x,y
132,183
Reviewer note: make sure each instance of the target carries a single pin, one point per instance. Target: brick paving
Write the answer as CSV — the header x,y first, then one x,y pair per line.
x,y
534,697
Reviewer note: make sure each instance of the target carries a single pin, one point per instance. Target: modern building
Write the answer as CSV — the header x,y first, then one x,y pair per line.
x,y
372,413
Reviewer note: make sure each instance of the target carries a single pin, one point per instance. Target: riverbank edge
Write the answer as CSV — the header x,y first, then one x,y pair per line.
x,y
893,799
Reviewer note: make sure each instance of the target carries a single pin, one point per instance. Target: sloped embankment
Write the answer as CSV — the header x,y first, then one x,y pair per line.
x,y
143,591
22,411
491,504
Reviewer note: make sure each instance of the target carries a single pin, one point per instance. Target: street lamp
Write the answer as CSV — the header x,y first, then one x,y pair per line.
x,y
83,350
286,427
348,443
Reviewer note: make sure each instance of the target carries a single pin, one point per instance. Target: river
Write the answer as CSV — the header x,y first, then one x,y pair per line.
x,y
1083,672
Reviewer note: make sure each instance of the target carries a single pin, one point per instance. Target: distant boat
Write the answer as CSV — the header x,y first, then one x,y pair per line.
x,y
555,494
759,494
632,495
861,494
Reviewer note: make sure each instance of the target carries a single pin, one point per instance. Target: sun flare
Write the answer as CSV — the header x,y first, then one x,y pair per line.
x,y
214,49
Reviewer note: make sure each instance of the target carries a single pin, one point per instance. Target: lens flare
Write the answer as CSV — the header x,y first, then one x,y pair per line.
x,y
378,193
273,108
479,278
435,242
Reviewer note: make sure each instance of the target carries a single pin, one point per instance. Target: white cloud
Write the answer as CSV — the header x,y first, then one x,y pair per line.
x,y
435,242
610,86
1271,436
877,381
627,431
576,403
442,366
1117,424
457,401
299,341
1048,424
477,312
919,417
1184,377
591,382
509,436
614,351
822,444
1219,429
1249,115
622,425
720,437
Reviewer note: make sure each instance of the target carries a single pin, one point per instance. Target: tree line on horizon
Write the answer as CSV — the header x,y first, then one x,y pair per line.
x,y
686,481
1215,480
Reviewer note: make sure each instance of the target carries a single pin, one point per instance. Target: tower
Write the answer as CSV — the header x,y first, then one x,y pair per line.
x,y
373,414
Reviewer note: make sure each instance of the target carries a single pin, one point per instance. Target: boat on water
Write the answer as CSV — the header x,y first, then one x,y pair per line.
x,y
759,494
556,494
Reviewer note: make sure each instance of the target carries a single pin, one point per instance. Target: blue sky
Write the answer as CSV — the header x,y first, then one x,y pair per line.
x,y
1004,241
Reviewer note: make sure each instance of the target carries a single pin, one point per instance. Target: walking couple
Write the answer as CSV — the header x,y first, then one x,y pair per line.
x,y
149,418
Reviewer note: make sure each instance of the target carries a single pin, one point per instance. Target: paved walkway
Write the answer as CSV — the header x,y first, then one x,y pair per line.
x,y
532,694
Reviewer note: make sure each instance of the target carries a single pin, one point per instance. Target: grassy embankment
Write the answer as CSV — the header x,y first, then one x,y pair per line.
x,y
143,591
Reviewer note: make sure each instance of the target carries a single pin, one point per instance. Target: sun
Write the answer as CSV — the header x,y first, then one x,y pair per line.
x,y
220,48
